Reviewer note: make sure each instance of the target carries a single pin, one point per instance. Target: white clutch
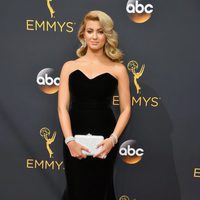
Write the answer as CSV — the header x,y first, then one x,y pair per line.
x,y
89,141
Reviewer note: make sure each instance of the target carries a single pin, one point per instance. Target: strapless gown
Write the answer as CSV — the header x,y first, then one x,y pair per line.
x,y
90,112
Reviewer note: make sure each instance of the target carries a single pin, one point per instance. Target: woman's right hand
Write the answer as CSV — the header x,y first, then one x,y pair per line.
x,y
76,149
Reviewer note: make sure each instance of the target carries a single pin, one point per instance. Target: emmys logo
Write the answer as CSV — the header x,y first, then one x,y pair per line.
x,y
46,82
137,73
45,133
50,25
130,153
138,12
32,163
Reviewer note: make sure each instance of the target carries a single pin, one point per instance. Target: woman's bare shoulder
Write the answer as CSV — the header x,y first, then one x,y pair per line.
x,y
119,69
69,65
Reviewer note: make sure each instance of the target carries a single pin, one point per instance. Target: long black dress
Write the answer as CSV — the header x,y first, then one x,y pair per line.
x,y
90,112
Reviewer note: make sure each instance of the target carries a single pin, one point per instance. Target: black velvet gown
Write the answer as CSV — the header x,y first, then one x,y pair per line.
x,y
90,112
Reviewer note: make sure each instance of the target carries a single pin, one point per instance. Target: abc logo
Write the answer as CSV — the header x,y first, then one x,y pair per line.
x,y
139,8
139,12
130,153
46,82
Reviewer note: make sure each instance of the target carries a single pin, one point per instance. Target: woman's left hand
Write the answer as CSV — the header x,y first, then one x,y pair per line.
x,y
106,147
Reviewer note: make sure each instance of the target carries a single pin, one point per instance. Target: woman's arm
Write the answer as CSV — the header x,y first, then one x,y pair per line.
x,y
124,99
64,100
63,112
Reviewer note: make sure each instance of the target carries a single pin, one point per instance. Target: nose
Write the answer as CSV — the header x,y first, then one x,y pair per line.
x,y
94,35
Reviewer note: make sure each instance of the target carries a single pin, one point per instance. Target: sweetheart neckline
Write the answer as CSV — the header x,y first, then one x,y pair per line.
x,y
95,76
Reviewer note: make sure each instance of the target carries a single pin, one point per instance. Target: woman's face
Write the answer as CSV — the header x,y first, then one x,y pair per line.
x,y
94,35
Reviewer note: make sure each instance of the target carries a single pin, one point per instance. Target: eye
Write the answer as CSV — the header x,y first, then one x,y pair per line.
x,y
89,31
101,32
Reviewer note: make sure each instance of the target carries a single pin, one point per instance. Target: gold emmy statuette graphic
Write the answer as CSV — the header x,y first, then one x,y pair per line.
x,y
51,10
45,132
124,197
133,67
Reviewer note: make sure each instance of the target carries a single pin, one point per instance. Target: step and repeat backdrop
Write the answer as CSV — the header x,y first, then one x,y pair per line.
x,y
159,155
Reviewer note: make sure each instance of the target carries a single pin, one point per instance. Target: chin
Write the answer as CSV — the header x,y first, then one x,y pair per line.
x,y
95,48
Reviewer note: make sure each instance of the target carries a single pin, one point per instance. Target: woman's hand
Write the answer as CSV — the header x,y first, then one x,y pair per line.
x,y
76,150
107,145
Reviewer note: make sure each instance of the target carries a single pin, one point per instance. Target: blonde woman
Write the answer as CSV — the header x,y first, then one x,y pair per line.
x,y
87,85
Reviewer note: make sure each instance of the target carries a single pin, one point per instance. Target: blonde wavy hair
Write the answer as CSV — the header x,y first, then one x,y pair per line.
x,y
110,48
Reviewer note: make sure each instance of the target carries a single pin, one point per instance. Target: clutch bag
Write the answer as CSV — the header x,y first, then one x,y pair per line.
x,y
90,141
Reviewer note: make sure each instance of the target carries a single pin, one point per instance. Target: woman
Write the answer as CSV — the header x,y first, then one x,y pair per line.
x,y
88,83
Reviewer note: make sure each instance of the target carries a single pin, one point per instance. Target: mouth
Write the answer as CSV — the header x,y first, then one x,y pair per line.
x,y
94,43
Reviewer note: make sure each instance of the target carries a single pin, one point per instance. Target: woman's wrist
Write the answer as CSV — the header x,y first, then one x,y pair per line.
x,y
114,139
69,139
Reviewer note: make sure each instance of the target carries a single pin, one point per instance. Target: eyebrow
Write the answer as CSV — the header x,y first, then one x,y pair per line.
x,y
97,29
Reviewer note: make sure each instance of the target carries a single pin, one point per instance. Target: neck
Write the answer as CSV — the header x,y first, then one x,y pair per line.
x,y
95,54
